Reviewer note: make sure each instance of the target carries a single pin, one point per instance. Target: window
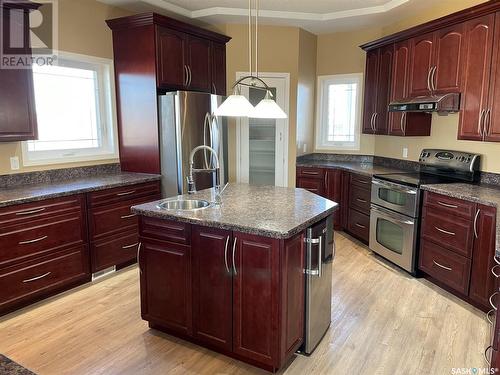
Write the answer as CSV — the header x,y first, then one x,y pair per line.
x,y
339,112
75,111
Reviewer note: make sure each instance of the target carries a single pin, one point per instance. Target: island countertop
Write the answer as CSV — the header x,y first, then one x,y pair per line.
x,y
268,211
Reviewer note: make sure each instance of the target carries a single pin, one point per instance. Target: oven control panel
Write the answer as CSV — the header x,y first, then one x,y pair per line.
x,y
451,160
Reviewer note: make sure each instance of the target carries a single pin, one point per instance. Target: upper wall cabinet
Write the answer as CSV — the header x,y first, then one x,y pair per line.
x,y
17,101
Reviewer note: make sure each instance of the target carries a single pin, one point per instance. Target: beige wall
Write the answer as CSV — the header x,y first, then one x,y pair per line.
x,y
339,53
81,30
306,92
278,52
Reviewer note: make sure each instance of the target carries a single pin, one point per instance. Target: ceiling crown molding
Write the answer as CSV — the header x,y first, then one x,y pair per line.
x,y
300,16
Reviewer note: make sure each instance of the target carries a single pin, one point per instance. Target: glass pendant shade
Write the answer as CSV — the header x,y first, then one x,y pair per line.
x,y
268,108
235,106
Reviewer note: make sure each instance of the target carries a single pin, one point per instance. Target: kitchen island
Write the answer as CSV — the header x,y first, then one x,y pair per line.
x,y
231,277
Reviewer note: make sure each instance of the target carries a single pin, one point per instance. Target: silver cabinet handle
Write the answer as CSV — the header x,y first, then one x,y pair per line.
x,y
433,78
185,75
138,257
326,181
125,193
360,226
225,255
445,231
447,205
310,173
488,315
189,76
403,123
361,200
234,255
497,261
375,122
362,182
487,122
443,267
22,213
214,88
130,246
493,271
491,301
128,216
475,223
37,278
480,125
33,241
486,355
371,121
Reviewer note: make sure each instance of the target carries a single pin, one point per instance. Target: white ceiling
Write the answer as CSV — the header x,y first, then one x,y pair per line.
x,y
317,16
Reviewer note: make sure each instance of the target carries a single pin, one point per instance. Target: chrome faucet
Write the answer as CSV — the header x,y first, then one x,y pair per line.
x,y
216,169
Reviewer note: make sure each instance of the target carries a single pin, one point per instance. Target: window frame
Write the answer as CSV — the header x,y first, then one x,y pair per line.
x,y
106,105
323,82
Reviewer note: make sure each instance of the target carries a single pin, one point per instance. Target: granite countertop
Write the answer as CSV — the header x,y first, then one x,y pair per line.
x,y
263,210
35,192
368,169
484,194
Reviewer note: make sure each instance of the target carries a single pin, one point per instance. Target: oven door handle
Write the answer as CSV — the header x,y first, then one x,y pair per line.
x,y
395,188
389,216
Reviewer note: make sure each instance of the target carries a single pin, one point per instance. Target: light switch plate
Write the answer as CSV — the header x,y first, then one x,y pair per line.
x,y
14,163
304,148
405,152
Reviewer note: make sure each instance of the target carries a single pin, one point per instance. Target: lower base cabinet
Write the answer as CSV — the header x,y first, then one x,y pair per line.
x,y
236,293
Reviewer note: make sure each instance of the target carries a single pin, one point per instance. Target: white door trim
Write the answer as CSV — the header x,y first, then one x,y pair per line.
x,y
285,131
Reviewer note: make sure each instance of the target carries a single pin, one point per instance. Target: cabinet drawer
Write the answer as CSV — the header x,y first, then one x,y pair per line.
x,y
26,213
361,180
313,185
311,172
359,225
453,233
360,199
166,230
449,205
114,250
33,279
124,193
41,237
445,266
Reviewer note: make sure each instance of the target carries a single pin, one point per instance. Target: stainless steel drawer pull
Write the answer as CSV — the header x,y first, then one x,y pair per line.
x,y
360,226
128,216
125,193
225,255
361,200
486,355
443,267
37,278
130,246
30,212
234,256
445,231
497,261
363,182
33,241
447,205
310,173
491,301
493,271
139,257
488,316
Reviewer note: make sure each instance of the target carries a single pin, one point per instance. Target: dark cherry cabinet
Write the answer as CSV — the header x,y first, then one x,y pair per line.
x,y
334,193
17,99
492,116
377,90
152,54
422,52
358,200
212,287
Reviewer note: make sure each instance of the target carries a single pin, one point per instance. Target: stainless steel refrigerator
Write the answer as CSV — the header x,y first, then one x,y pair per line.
x,y
187,121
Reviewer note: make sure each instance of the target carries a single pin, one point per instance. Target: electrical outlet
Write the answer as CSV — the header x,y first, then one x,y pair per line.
x,y
14,163
304,148
405,152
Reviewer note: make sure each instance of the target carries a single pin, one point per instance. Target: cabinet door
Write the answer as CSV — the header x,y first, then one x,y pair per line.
x,y
334,193
482,282
17,102
449,59
492,120
381,118
218,69
476,76
166,284
172,66
212,286
199,66
399,90
314,185
256,298
370,103
421,62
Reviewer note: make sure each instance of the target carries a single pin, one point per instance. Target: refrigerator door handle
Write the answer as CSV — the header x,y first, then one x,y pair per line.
x,y
320,256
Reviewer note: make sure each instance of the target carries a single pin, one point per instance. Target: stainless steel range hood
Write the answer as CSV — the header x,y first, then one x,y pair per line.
x,y
442,104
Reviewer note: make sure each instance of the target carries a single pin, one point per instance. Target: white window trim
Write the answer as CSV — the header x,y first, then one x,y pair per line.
x,y
110,131
322,84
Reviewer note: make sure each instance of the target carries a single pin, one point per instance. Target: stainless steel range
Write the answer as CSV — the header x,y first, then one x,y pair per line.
x,y
395,202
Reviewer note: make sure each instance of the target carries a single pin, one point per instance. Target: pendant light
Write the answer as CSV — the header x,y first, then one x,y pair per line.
x,y
236,105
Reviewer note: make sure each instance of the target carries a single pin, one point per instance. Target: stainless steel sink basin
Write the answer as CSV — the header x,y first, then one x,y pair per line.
x,y
184,204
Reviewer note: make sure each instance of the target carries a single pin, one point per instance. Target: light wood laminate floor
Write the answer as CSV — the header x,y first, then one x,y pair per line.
x,y
383,322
